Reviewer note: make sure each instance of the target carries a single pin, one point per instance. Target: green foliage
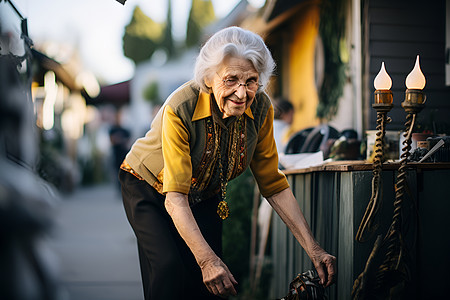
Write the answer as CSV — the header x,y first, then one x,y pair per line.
x,y
201,15
237,228
261,292
237,237
331,29
151,93
138,49
142,37
167,43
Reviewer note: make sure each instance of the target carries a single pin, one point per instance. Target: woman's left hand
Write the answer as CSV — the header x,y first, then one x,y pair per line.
x,y
325,265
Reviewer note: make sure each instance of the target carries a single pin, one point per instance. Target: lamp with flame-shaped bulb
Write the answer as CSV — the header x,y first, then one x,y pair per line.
x,y
383,97
383,103
414,97
395,259
413,104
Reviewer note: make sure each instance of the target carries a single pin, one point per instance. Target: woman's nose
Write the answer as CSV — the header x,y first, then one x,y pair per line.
x,y
241,91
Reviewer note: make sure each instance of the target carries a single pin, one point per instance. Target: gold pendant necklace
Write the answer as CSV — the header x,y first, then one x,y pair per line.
x,y
222,208
225,172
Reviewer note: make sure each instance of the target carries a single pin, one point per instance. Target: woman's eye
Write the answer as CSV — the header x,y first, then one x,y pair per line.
x,y
230,82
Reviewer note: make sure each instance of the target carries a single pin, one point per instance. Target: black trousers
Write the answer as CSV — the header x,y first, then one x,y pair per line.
x,y
168,267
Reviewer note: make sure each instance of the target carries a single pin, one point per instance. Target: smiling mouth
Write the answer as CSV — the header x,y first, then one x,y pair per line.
x,y
237,102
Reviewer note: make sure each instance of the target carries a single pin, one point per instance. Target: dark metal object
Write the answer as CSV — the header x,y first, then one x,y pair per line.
x,y
306,286
26,201
394,269
394,262
383,104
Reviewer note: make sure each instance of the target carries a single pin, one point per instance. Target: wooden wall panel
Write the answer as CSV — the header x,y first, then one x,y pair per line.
x,y
397,32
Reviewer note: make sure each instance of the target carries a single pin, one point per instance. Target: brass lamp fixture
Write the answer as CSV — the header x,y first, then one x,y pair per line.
x,y
383,103
393,263
413,104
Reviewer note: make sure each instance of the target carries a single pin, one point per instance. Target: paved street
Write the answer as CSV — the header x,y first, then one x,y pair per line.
x,y
95,247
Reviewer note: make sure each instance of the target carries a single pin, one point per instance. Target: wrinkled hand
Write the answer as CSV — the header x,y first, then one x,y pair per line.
x,y
217,278
325,265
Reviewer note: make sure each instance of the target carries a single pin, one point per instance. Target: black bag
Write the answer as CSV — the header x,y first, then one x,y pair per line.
x,y
305,286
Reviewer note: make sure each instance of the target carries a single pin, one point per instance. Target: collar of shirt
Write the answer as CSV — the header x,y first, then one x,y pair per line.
x,y
203,108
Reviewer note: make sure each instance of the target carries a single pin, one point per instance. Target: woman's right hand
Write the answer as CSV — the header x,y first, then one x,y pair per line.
x,y
218,278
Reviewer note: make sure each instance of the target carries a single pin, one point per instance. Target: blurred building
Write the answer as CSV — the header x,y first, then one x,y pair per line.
x,y
61,89
161,75
372,32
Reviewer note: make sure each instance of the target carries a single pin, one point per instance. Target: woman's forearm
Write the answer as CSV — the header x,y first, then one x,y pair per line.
x,y
288,209
216,275
177,206
285,204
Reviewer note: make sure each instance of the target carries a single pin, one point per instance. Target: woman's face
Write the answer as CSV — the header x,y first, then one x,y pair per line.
x,y
228,86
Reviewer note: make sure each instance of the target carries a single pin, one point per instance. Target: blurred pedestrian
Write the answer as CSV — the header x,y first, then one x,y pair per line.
x,y
283,118
120,143
174,179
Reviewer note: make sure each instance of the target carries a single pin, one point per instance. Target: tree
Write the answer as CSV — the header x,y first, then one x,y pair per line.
x,y
151,93
200,15
167,43
142,37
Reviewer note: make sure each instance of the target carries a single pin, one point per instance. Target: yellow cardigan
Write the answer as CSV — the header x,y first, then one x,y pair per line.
x,y
180,152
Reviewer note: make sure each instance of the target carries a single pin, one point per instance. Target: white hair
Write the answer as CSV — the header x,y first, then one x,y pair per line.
x,y
234,42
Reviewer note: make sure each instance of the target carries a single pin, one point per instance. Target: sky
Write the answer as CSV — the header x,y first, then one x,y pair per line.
x,y
96,27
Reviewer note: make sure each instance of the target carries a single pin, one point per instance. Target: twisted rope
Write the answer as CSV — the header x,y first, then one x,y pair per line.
x,y
367,223
394,261
393,268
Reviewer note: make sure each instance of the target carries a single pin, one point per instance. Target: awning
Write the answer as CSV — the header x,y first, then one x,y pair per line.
x,y
48,64
116,94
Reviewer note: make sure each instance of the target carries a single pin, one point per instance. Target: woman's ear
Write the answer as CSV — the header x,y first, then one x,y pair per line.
x,y
208,82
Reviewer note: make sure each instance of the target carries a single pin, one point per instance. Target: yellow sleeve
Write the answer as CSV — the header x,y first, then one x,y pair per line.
x,y
264,163
176,154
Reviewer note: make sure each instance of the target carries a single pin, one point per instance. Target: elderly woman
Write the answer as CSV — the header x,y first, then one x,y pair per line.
x,y
174,179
